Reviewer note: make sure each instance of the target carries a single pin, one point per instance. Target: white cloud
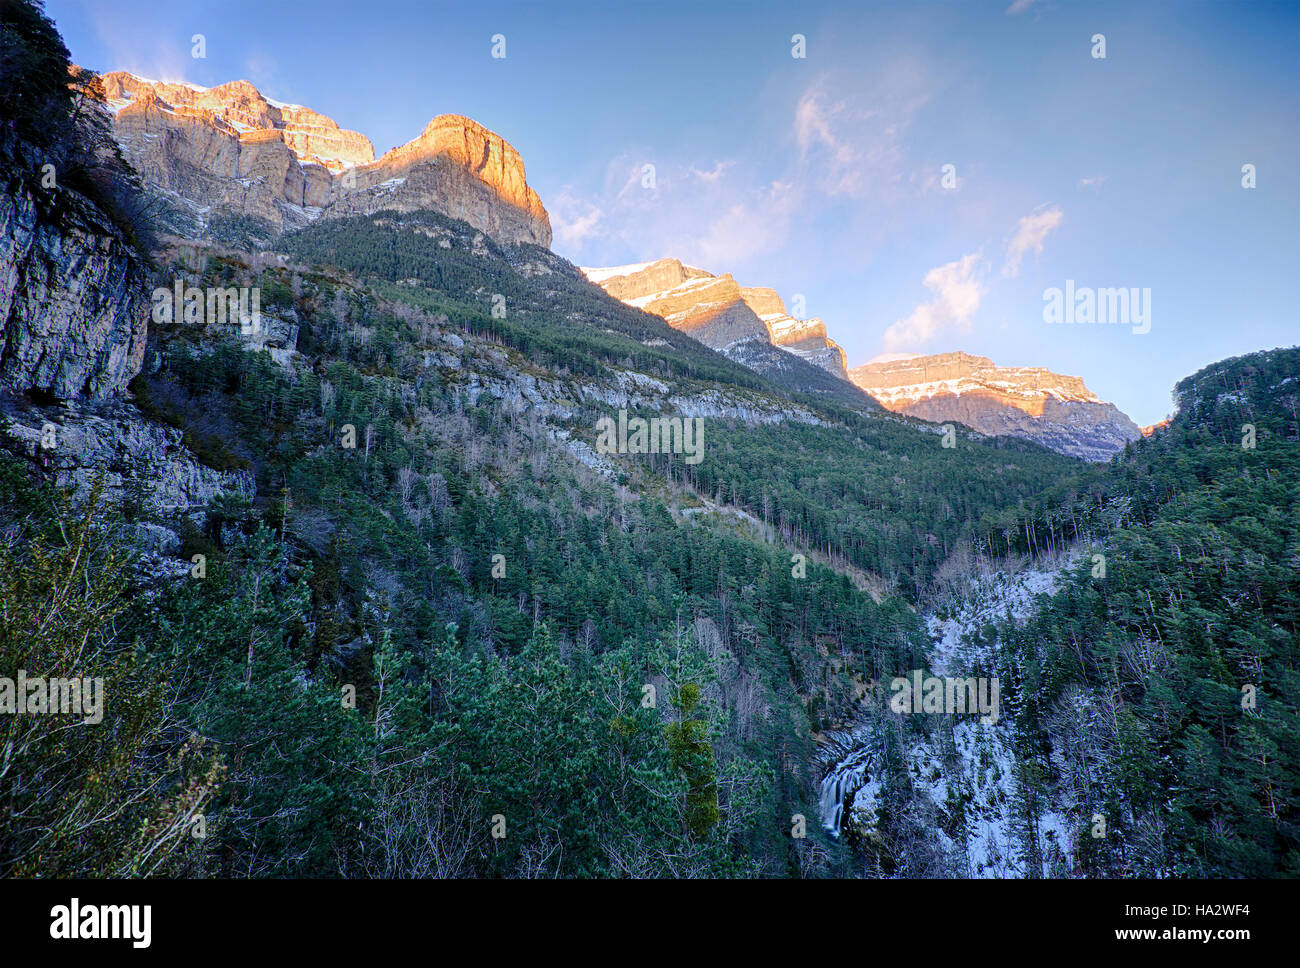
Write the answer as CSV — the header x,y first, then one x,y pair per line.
x,y
1094,182
573,222
958,289
758,224
712,176
1031,232
1020,6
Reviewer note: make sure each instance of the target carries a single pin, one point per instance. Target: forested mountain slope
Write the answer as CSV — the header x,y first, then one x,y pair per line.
x,y
413,249
369,597
1150,701
352,562
373,569
1182,664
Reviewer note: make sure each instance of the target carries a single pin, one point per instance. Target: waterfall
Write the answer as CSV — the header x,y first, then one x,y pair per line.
x,y
843,780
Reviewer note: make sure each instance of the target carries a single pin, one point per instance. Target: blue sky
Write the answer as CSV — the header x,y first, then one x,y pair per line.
x,y
823,176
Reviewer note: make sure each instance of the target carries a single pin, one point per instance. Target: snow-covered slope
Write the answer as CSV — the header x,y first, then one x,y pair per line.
x,y
961,786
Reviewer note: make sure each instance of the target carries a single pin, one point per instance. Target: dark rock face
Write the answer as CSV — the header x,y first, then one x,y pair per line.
x,y
74,297
75,300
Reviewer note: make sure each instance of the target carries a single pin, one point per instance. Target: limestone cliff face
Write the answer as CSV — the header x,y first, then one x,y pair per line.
x,y
644,281
806,337
457,167
213,169
230,150
114,443
719,312
1030,402
74,300
239,108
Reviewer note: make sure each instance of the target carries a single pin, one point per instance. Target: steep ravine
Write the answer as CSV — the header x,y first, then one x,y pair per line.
x,y
961,777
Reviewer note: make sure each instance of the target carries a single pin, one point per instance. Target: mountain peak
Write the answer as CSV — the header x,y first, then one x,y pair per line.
x,y
239,109
230,150
484,153
1026,385
1032,402
718,311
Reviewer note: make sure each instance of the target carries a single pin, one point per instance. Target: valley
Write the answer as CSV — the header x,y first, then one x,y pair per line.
x,y
375,565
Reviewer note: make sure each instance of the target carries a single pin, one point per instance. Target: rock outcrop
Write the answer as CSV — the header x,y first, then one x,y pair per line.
x,y
229,150
805,337
74,301
456,167
719,312
1030,402
133,457
238,108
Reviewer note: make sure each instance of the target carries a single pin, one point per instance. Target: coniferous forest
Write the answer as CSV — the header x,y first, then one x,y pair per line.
x,y
420,627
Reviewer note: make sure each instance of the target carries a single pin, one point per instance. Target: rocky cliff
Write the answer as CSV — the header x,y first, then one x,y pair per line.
x,y
1030,402
231,151
719,312
116,445
238,108
73,297
805,337
456,167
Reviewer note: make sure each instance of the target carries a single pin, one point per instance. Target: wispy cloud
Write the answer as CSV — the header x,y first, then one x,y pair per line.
x,y
1020,6
120,37
263,71
715,173
692,211
719,212
958,291
758,224
814,124
573,221
846,149
1031,232
1094,182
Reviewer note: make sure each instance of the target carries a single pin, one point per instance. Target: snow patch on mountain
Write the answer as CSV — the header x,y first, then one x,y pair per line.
x,y
963,765
991,600
611,272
